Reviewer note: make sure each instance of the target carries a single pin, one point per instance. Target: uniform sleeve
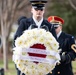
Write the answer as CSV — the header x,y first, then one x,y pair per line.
x,y
71,55
20,19
72,52
20,30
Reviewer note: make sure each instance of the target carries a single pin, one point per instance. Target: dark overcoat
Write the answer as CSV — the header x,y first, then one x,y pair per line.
x,y
26,23
65,68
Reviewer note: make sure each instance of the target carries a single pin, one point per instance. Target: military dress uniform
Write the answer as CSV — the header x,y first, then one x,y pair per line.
x,y
29,23
67,54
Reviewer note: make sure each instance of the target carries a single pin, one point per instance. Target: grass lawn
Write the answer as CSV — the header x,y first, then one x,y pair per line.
x,y
12,70
74,67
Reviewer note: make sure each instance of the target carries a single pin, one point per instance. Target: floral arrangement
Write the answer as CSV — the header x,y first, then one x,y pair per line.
x,y
36,52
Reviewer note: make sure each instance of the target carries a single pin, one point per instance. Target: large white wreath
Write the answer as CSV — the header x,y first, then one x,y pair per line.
x,y
33,60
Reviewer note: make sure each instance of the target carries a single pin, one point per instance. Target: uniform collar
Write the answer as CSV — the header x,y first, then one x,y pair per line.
x,y
38,23
59,34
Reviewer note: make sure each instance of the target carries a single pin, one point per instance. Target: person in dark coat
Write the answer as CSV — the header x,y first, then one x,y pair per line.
x,y
36,21
66,41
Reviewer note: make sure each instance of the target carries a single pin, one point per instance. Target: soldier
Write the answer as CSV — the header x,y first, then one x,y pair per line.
x,y
36,21
66,41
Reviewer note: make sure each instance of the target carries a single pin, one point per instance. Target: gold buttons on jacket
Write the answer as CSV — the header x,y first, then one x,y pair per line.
x,y
58,72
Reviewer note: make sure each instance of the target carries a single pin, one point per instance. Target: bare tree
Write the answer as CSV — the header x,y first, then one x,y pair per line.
x,y
8,11
73,3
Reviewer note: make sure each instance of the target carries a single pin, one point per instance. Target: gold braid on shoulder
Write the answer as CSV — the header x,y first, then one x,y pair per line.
x,y
74,47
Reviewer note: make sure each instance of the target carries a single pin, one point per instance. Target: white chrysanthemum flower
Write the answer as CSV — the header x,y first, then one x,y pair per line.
x,y
17,50
55,46
28,72
32,65
19,42
40,66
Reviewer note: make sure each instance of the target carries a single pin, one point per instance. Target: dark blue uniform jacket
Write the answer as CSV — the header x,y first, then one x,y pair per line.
x,y
26,23
65,68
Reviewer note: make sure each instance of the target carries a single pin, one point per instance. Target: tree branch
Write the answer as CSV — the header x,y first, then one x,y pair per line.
x,y
72,4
